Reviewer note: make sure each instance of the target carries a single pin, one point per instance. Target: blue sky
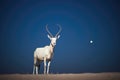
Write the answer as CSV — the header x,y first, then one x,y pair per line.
x,y
22,30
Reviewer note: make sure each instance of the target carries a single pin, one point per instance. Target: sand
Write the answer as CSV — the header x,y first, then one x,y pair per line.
x,y
81,76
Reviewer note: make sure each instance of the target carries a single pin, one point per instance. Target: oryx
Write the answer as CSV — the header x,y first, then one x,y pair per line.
x,y
45,53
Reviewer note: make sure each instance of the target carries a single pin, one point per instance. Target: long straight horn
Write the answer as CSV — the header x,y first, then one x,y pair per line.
x,y
48,31
59,30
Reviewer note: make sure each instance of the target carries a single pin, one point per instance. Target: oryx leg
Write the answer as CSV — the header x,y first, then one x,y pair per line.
x,y
44,65
37,68
34,66
33,69
48,67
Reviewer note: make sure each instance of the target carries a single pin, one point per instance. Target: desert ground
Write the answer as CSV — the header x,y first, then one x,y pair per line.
x,y
81,76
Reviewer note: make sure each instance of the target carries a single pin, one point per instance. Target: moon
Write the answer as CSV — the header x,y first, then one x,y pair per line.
x,y
91,41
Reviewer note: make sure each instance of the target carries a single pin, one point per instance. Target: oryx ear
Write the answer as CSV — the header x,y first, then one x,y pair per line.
x,y
49,37
58,36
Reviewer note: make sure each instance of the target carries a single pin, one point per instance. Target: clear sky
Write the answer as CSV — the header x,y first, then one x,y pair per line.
x,y
22,30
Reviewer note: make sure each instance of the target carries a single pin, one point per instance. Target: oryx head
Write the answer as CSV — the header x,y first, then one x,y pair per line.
x,y
53,38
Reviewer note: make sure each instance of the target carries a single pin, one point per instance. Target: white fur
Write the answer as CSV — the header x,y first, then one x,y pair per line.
x,y
45,53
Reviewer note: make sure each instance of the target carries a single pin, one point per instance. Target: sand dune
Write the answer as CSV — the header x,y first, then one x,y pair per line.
x,y
81,76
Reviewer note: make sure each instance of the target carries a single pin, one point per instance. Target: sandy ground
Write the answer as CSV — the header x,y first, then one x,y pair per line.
x,y
81,76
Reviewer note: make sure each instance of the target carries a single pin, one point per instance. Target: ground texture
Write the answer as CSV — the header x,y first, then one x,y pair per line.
x,y
81,76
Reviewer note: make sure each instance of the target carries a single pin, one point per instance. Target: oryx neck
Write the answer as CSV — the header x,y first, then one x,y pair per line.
x,y
52,45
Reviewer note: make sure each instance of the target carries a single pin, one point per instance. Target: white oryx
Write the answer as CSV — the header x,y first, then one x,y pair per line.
x,y
45,53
